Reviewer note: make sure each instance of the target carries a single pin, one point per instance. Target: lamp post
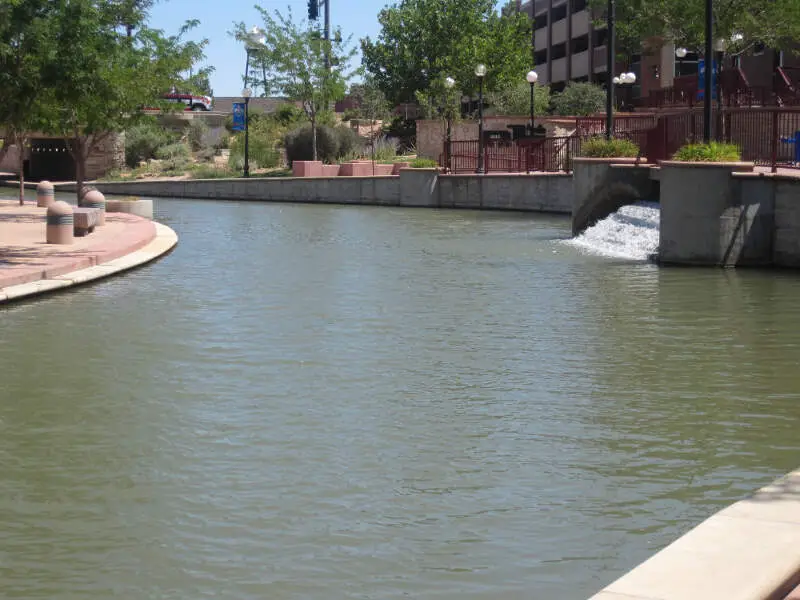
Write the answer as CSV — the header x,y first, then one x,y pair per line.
x,y
246,93
681,54
480,73
253,40
532,77
709,53
610,55
449,82
624,79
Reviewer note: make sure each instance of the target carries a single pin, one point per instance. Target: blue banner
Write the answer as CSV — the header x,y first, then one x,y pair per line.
x,y
238,116
701,79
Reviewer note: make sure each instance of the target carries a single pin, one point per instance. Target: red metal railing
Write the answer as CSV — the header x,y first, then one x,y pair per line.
x,y
518,156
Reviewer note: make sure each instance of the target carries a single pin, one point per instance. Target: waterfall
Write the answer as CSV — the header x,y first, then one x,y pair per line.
x,y
631,232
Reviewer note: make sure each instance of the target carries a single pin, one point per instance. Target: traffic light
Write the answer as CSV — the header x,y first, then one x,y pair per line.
x,y
313,10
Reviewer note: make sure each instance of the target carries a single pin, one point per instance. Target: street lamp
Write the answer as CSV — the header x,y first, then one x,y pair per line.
x,y
532,77
624,79
246,93
709,51
610,56
480,73
253,40
449,82
681,54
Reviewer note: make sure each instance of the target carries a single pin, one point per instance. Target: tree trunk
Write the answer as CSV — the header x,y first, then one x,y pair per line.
x,y
314,138
20,143
78,145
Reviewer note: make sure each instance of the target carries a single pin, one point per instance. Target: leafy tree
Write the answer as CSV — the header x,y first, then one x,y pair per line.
x,y
422,41
775,23
24,46
579,99
100,76
372,102
516,100
293,61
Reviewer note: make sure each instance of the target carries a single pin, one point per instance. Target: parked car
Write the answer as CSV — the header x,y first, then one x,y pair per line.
x,y
191,101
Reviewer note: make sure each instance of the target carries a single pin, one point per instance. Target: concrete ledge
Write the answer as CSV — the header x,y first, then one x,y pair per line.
x,y
165,239
741,166
748,551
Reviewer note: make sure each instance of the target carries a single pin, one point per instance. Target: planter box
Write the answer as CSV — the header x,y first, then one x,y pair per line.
x,y
330,170
307,168
140,208
399,165
703,220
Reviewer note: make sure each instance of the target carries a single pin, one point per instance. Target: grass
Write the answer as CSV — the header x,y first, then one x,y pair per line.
x,y
599,147
423,163
711,152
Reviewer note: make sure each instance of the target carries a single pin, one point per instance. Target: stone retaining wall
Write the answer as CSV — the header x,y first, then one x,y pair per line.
x,y
413,187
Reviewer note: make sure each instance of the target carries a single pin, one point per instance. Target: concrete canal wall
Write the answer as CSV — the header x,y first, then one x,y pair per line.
x,y
550,192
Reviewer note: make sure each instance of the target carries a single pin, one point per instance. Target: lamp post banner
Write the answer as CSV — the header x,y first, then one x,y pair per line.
x,y
238,116
701,81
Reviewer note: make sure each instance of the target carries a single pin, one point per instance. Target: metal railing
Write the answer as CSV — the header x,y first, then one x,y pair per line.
x,y
551,154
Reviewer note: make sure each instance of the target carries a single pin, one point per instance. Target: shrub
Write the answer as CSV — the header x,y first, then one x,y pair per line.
x,y
298,144
348,140
176,156
142,141
197,134
711,152
579,99
288,114
599,147
423,163
404,130
385,149
212,172
262,152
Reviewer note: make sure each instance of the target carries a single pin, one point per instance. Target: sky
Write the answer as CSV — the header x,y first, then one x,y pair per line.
x,y
217,19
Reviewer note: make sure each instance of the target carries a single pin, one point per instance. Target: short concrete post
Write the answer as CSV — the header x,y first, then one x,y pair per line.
x,y
85,189
95,199
45,194
60,223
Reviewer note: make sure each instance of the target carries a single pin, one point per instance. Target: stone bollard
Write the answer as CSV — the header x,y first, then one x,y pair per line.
x,y
45,194
60,223
95,199
85,189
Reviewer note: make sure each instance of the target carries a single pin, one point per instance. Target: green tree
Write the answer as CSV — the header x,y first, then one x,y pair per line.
x,y
422,41
24,47
742,23
105,67
579,99
516,100
293,61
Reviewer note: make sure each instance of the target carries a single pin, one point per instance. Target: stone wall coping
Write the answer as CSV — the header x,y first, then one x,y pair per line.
x,y
644,165
707,165
621,160
747,551
772,176
538,175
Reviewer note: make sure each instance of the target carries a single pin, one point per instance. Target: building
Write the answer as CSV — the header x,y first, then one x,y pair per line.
x,y
568,47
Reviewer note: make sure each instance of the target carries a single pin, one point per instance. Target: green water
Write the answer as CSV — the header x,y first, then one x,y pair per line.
x,y
336,402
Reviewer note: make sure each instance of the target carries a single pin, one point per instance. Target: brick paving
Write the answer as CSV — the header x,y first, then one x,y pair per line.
x,y
26,257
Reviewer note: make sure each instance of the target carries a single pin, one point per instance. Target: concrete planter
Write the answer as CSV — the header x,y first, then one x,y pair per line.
x,y
140,208
703,220
603,185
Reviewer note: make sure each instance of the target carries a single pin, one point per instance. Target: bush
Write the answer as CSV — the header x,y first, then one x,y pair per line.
x,y
288,114
211,172
298,144
404,130
579,99
385,149
349,142
261,152
423,163
711,152
600,147
176,156
197,134
142,142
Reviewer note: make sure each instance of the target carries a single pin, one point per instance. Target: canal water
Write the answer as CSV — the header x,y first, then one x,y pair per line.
x,y
320,402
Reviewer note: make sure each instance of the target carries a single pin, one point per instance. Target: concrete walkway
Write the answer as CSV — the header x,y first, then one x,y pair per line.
x,y
30,266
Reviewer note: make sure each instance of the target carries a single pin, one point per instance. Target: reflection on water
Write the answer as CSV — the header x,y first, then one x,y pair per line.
x,y
337,402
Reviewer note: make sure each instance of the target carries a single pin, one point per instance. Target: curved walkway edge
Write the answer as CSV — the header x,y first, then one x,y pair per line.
x,y
164,241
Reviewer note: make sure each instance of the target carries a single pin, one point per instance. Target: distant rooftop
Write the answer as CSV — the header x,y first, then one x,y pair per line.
x,y
267,105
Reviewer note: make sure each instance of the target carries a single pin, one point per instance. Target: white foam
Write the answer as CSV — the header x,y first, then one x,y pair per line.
x,y
631,232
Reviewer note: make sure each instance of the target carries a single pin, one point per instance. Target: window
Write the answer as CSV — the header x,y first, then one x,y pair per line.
x,y
580,44
540,22
558,51
540,57
559,12
600,36
578,5
583,79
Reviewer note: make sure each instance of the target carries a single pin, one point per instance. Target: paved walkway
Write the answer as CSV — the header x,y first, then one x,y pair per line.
x,y
26,258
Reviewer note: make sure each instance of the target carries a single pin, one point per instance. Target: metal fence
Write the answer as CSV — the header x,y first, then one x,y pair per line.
x,y
550,154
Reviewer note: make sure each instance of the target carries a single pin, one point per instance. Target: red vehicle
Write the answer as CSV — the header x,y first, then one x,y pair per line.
x,y
191,101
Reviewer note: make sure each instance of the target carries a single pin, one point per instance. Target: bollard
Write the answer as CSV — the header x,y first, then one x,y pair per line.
x,y
85,189
95,199
60,223
45,194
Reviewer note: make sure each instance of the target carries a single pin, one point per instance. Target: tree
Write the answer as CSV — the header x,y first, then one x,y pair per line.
x,y
293,63
24,46
107,64
422,41
742,23
579,99
516,99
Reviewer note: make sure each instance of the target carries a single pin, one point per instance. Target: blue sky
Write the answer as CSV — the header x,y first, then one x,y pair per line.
x,y
217,18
